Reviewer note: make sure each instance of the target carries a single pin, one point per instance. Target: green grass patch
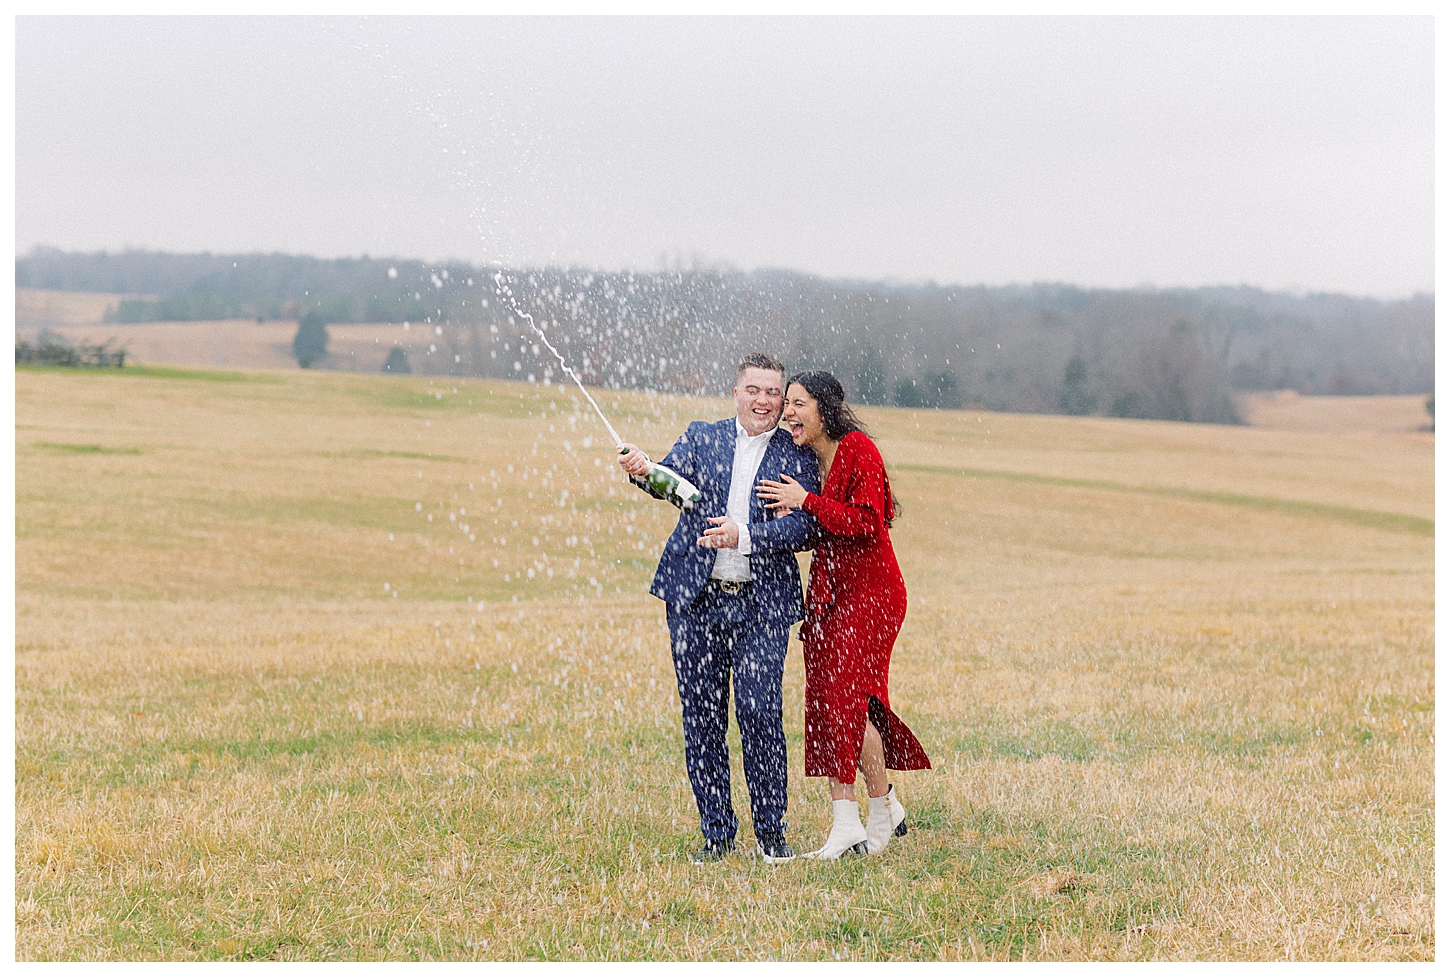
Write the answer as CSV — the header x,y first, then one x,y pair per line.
x,y
1046,739
79,368
86,449
414,455
199,373
1242,745
436,395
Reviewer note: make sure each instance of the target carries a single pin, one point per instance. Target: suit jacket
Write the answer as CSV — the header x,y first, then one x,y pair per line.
x,y
705,454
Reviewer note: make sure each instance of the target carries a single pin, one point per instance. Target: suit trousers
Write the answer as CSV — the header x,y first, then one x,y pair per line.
x,y
719,636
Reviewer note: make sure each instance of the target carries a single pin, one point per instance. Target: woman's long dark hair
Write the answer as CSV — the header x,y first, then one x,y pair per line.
x,y
838,419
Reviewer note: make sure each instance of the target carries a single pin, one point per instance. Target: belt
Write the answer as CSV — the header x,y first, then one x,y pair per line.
x,y
735,587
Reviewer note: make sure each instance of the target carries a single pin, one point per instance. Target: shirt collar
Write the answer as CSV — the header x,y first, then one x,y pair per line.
x,y
752,439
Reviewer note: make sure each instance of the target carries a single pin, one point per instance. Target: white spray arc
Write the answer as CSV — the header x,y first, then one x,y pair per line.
x,y
665,481
563,365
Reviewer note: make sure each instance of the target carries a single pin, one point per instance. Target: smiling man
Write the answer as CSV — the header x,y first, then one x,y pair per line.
x,y
732,589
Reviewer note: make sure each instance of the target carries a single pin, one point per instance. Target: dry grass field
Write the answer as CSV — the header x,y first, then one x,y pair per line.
x,y
336,666
37,307
248,344
1286,410
78,317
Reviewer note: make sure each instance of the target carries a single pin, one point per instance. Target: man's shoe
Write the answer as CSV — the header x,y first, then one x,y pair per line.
x,y
713,851
774,849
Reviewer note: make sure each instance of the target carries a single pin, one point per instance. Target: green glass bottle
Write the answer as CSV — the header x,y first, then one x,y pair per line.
x,y
671,485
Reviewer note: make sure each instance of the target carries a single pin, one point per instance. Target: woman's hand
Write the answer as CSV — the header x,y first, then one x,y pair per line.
x,y
784,495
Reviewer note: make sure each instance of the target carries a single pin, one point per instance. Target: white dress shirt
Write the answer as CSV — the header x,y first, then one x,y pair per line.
x,y
734,564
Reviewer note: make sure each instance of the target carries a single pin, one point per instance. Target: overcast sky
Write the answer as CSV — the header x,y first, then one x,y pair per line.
x,y
1285,153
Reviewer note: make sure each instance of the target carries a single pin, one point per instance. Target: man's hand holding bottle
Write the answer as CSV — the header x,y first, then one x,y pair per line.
x,y
634,461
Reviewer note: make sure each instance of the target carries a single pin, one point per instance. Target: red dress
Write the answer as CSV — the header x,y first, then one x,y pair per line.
x,y
855,603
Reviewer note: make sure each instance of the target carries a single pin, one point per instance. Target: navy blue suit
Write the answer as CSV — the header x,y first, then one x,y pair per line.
x,y
714,634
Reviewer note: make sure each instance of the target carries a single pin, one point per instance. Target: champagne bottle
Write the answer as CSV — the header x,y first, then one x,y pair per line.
x,y
671,485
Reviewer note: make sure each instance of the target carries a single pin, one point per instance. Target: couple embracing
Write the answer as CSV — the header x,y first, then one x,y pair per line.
x,y
731,586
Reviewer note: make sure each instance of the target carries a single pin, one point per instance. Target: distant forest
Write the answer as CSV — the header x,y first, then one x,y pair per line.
x,y
1172,354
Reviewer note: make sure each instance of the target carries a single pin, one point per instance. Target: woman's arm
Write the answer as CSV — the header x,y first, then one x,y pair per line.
x,y
863,513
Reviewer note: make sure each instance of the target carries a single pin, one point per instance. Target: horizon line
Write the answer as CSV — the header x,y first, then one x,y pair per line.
x,y
724,267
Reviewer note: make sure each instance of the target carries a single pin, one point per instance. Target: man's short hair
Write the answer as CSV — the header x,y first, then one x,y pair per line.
x,y
761,361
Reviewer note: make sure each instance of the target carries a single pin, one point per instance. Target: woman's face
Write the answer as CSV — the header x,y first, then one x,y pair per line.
x,y
802,416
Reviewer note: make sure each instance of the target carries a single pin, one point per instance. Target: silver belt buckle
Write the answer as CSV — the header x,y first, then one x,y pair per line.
x,y
733,586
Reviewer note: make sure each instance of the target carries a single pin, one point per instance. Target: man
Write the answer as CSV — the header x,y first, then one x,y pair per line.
x,y
732,589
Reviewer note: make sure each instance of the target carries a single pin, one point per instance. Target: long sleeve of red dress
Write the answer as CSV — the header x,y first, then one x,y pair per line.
x,y
862,510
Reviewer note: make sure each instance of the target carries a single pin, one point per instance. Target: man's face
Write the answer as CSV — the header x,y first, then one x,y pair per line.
x,y
758,399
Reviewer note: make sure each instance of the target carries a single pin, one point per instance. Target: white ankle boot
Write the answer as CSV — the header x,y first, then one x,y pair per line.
x,y
886,818
847,834
898,813
878,824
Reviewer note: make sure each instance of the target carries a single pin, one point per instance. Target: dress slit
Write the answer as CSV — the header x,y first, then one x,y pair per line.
x,y
902,749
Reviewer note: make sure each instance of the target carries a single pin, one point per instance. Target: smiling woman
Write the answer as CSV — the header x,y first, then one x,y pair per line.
x,y
855,606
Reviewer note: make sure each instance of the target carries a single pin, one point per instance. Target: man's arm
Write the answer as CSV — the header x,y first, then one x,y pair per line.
x,y
788,534
794,531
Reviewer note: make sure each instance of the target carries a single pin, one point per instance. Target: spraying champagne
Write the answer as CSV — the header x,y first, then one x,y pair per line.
x,y
666,483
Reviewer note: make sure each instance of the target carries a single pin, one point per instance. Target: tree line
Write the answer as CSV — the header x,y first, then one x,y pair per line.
x,y
1176,354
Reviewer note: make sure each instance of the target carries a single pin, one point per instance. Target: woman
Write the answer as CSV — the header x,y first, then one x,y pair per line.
x,y
855,603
